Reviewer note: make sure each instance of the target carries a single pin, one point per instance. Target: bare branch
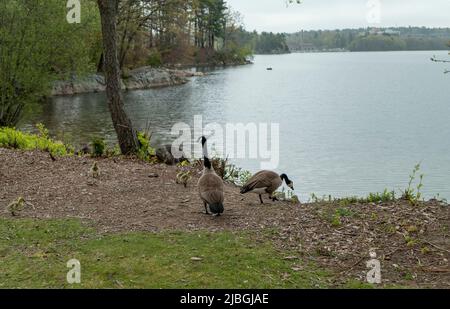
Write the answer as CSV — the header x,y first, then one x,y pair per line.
x,y
434,59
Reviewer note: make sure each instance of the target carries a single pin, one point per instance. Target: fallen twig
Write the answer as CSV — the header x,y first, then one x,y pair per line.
x,y
436,269
436,246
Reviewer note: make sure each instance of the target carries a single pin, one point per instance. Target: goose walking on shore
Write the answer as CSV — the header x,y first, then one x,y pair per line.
x,y
266,182
210,185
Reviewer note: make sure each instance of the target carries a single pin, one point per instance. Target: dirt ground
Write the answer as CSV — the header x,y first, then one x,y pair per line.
x,y
411,242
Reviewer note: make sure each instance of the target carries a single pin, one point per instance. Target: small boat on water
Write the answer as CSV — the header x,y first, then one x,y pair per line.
x,y
269,69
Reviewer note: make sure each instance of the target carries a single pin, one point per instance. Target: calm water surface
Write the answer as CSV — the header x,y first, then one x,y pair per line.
x,y
350,123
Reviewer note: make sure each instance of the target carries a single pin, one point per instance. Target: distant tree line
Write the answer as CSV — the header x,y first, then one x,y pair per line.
x,y
403,38
270,43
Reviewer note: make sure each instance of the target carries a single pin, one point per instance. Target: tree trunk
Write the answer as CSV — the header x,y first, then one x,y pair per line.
x,y
126,135
100,64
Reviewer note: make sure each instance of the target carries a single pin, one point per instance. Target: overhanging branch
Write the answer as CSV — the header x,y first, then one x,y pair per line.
x,y
434,59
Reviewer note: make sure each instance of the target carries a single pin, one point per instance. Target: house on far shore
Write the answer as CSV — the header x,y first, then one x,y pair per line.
x,y
390,32
306,47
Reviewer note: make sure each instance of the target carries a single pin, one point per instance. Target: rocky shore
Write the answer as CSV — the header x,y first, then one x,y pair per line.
x,y
141,78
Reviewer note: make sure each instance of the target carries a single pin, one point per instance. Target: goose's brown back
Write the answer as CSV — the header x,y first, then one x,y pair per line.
x,y
210,187
263,179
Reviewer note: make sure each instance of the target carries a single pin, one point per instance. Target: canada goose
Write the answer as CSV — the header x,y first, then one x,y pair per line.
x,y
210,185
266,182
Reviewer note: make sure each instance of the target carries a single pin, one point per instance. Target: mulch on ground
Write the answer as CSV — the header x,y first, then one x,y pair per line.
x,y
412,242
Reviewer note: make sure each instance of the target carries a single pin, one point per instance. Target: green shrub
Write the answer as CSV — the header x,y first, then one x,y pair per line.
x,y
155,59
386,196
145,150
98,147
236,175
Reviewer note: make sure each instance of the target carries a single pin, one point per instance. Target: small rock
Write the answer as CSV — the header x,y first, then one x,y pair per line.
x,y
196,259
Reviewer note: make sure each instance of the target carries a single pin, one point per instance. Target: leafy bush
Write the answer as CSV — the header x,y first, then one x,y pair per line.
x,y
155,59
236,175
233,54
145,150
98,147
12,138
386,196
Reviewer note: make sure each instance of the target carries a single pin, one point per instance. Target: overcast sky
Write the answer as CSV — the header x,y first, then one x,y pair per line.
x,y
273,15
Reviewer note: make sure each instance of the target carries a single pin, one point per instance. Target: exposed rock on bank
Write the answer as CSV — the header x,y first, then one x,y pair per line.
x,y
141,78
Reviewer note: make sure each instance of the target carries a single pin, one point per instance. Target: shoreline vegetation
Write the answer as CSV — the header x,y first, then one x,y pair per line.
x,y
53,195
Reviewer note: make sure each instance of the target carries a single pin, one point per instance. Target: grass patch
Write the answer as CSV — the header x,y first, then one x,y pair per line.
x,y
356,284
34,255
12,138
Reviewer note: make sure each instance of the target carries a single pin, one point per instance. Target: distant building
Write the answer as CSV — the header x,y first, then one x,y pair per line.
x,y
377,31
306,47
391,32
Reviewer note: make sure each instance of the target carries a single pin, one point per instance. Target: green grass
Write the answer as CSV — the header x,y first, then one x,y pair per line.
x,y
34,254
378,197
355,284
12,138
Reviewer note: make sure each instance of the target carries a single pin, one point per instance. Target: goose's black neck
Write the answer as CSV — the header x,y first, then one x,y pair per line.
x,y
284,177
206,161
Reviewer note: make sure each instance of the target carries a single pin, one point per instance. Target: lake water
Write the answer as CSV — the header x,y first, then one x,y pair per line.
x,y
350,123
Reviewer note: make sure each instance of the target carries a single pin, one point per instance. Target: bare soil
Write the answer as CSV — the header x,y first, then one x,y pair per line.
x,y
411,242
